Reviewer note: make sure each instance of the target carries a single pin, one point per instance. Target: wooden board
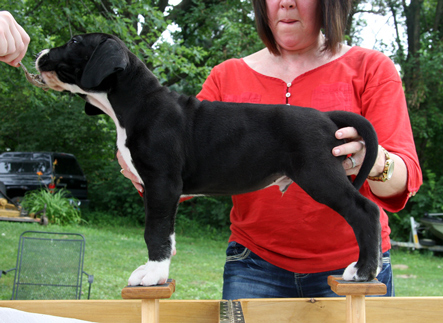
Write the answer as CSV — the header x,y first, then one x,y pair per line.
x,y
333,310
325,310
122,311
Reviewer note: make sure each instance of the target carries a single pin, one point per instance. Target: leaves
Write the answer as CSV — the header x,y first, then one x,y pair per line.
x,y
59,208
31,119
205,33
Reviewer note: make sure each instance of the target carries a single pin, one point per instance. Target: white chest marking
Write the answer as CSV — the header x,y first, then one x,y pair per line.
x,y
100,100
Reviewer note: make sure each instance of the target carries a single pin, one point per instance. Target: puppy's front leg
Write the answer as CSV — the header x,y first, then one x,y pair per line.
x,y
160,212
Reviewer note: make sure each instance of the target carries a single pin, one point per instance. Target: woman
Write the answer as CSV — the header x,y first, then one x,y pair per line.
x,y
13,40
286,246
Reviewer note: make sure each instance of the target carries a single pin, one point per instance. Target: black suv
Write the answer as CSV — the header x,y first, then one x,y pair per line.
x,y
25,171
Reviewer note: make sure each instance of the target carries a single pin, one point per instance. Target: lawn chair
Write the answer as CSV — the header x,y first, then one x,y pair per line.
x,y
49,266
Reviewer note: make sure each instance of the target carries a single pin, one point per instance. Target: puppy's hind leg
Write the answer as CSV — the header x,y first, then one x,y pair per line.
x,y
333,189
366,225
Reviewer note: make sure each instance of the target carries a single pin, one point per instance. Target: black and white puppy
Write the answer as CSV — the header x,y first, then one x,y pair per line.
x,y
177,145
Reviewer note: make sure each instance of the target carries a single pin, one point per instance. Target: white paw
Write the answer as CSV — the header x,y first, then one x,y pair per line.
x,y
153,273
350,272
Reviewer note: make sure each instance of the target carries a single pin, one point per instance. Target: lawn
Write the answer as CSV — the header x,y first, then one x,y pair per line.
x,y
417,273
112,253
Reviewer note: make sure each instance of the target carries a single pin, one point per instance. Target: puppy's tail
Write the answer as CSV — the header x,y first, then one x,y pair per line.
x,y
367,132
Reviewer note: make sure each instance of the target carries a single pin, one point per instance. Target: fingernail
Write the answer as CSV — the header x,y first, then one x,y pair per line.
x,y
336,152
339,134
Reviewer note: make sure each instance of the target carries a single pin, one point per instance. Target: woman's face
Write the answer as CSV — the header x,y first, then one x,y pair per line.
x,y
295,24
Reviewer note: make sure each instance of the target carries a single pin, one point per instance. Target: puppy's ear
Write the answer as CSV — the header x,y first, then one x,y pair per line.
x,y
92,110
108,57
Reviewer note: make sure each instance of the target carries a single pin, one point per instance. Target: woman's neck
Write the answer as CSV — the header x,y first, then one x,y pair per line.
x,y
292,63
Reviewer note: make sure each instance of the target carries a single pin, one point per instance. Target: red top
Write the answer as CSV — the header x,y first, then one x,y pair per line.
x,y
293,231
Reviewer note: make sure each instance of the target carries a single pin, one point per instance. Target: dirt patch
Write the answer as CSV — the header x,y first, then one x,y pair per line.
x,y
406,276
400,267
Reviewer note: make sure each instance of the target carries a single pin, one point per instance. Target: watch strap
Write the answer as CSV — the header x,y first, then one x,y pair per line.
x,y
387,170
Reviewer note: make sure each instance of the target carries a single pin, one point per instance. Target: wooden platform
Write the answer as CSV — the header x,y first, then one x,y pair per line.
x,y
325,310
149,297
356,293
343,287
151,292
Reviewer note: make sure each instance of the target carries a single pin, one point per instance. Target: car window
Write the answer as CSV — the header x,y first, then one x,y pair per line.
x,y
25,167
67,165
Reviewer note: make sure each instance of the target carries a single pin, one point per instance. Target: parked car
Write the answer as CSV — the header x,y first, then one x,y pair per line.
x,y
25,171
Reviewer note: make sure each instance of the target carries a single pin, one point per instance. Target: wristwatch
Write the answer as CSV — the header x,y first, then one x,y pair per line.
x,y
388,170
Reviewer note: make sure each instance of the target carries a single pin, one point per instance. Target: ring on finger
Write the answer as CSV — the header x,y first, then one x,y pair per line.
x,y
354,164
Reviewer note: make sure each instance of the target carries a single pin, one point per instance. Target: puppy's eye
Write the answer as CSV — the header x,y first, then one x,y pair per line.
x,y
75,40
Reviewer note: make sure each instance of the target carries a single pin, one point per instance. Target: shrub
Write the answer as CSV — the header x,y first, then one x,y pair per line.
x,y
207,210
429,199
59,208
113,194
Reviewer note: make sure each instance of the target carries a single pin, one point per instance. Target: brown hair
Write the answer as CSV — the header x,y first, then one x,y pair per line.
x,y
334,14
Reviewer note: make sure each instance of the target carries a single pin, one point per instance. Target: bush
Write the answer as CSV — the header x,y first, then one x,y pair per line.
x,y
104,219
113,194
429,199
59,208
207,210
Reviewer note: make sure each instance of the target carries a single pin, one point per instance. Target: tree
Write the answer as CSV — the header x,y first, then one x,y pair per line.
x,y
206,33
355,25
419,55
31,119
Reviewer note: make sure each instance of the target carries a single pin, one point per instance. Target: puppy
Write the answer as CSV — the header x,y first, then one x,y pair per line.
x,y
177,145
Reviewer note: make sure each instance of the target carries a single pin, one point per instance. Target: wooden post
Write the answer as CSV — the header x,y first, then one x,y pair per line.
x,y
355,295
150,296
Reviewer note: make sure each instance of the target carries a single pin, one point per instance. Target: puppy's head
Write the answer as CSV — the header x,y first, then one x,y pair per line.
x,y
83,64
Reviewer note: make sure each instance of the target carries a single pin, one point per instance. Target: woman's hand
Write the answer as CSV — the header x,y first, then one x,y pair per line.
x,y
127,173
14,40
355,146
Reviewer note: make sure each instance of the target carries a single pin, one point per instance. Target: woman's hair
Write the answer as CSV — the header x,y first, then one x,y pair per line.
x,y
334,14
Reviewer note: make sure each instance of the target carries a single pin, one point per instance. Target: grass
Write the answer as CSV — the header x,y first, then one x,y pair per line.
x,y
417,273
112,253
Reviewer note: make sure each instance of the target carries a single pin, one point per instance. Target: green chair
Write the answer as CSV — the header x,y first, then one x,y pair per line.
x,y
49,266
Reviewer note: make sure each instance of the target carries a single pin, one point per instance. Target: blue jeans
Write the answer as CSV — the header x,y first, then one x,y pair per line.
x,y
248,276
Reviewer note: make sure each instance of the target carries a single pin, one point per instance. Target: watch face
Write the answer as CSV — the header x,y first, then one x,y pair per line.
x,y
390,170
